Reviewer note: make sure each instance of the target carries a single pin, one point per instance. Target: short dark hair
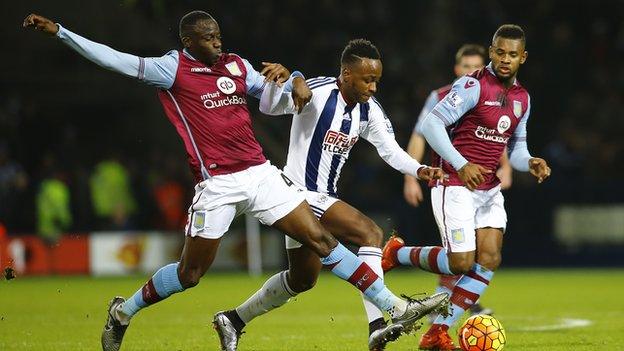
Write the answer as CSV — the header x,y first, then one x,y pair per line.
x,y
358,49
510,31
470,50
189,20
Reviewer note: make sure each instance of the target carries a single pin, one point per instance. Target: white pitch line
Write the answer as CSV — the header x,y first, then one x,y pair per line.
x,y
565,323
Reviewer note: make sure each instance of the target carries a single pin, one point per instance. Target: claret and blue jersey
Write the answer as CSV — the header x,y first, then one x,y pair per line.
x,y
206,105
481,117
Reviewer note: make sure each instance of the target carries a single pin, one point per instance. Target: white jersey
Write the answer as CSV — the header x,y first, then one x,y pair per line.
x,y
322,135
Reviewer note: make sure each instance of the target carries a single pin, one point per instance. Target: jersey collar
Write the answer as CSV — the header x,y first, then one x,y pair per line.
x,y
491,70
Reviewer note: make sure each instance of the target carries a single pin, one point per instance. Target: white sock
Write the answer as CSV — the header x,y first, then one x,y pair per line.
x,y
399,307
120,316
372,256
274,293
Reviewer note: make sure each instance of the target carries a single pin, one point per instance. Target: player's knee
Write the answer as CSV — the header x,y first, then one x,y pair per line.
x,y
461,264
373,234
321,241
189,277
490,260
301,284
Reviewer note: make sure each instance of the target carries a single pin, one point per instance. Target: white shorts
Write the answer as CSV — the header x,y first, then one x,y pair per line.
x,y
263,191
319,203
459,212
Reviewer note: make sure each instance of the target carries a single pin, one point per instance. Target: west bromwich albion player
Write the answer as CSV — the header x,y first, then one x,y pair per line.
x,y
341,112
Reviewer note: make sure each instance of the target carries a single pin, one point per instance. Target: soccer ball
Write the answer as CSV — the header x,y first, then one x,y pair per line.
x,y
482,333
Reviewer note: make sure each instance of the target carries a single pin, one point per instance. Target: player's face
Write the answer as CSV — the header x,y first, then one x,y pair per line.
x,y
361,78
468,64
204,42
507,55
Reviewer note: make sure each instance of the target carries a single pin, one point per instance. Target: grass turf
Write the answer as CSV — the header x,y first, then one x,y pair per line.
x,y
535,306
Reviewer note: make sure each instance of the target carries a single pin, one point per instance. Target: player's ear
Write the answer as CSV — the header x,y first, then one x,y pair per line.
x,y
186,42
491,52
345,72
524,56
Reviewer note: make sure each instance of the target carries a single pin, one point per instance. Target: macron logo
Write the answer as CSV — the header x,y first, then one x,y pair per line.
x,y
200,69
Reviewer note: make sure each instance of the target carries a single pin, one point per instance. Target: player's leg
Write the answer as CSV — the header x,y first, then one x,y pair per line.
x,y
203,234
295,218
303,270
454,211
454,214
197,256
350,225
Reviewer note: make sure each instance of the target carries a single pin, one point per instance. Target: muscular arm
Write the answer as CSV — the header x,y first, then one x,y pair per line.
x,y
379,132
156,71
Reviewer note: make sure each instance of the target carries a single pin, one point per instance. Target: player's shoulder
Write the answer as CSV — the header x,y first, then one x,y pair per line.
x,y
467,84
376,108
321,82
521,87
441,92
173,53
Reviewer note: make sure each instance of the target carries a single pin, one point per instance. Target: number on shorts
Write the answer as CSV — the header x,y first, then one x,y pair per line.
x,y
286,179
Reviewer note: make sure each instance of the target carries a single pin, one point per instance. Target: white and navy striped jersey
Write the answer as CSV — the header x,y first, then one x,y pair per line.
x,y
322,135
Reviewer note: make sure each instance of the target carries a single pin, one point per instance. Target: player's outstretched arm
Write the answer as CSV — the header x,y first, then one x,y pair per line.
x,y
379,132
159,71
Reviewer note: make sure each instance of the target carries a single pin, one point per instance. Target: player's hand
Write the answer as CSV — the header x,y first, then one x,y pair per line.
x,y
301,93
412,191
539,168
505,175
428,173
40,23
472,175
275,72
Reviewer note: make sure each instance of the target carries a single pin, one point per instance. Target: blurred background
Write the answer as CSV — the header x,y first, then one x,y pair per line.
x,y
91,171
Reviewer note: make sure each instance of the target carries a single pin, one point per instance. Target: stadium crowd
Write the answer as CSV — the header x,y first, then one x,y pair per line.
x,y
93,150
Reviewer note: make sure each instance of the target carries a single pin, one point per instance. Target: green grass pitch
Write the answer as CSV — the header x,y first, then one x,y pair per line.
x,y
541,310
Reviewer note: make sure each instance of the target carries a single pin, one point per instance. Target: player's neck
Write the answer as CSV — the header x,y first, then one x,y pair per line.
x,y
345,96
196,57
509,82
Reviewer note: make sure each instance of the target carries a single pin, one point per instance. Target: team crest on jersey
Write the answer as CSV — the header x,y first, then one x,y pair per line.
x,y
233,68
458,235
503,124
199,220
517,108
